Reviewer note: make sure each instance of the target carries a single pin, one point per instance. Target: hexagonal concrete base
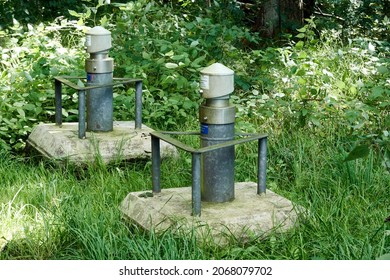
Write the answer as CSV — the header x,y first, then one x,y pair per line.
x,y
248,216
123,143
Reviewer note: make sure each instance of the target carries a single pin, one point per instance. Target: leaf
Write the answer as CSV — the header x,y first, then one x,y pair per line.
x,y
171,65
64,112
73,13
88,13
80,83
146,55
371,47
170,53
383,69
315,121
359,151
103,21
299,45
178,57
21,112
340,84
376,93
29,107
194,43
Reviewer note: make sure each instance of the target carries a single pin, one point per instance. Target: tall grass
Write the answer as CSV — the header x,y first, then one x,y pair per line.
x,y
65,212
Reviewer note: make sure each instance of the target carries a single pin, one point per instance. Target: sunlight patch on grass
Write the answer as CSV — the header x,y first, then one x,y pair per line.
x,y
19,219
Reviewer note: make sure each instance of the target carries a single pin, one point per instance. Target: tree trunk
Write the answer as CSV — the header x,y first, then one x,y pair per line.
x,y
271,17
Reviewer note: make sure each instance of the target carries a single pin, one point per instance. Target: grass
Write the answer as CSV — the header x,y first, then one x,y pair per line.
x,y
49,211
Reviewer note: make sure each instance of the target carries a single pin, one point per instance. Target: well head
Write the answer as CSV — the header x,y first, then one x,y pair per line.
x,y
98,39
216,81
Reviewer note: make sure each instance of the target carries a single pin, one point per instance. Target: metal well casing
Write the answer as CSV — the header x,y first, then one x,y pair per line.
x,y
217,183
217,118
99,68
100,103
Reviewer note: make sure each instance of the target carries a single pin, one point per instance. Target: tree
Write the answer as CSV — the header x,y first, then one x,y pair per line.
x,y
270,17
33,11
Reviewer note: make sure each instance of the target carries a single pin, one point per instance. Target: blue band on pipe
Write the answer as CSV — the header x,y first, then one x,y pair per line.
x,y
204,129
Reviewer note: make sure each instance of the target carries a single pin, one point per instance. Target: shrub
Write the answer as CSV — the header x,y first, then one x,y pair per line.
x,y
31,57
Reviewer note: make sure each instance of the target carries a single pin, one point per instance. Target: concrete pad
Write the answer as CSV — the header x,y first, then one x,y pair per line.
x,y
123,143
248,216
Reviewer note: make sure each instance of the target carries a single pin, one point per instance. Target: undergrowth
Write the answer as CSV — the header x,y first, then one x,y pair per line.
x,y
64,212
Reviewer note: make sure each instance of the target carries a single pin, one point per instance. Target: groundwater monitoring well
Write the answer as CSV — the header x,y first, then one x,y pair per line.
x,y
214,206
96,134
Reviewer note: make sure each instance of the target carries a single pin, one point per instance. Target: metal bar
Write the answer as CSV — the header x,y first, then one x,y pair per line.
x,y
156,164
180,132
68,83
262,166
230,143
138,104
64,80
58,101
82,102
172,141
196,190
164,136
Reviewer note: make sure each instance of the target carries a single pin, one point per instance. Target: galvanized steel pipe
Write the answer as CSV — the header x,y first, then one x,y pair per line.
x,y
99,69
217,118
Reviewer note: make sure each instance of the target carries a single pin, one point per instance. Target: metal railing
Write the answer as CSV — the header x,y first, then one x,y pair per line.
x,y
196,161
59,80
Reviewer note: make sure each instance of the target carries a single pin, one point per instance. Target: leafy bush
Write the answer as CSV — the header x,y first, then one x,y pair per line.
x,y
31,57
34,11
163,46
167,48
315,82
322,84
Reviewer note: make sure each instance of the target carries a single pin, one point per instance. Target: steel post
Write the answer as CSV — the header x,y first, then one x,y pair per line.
x,y
262,165
138,105
196,184
156,164
82,114
58,101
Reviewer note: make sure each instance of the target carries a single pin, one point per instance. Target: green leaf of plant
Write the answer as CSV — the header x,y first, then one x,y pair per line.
x,y
73,13
359,151
299,45
383,69
171,65
194,43
178,57
340,84
21,112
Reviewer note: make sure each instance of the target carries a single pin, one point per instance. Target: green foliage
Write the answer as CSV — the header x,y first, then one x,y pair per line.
x,y
34,11
356,18
30,60
167,48
163,46
319,84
